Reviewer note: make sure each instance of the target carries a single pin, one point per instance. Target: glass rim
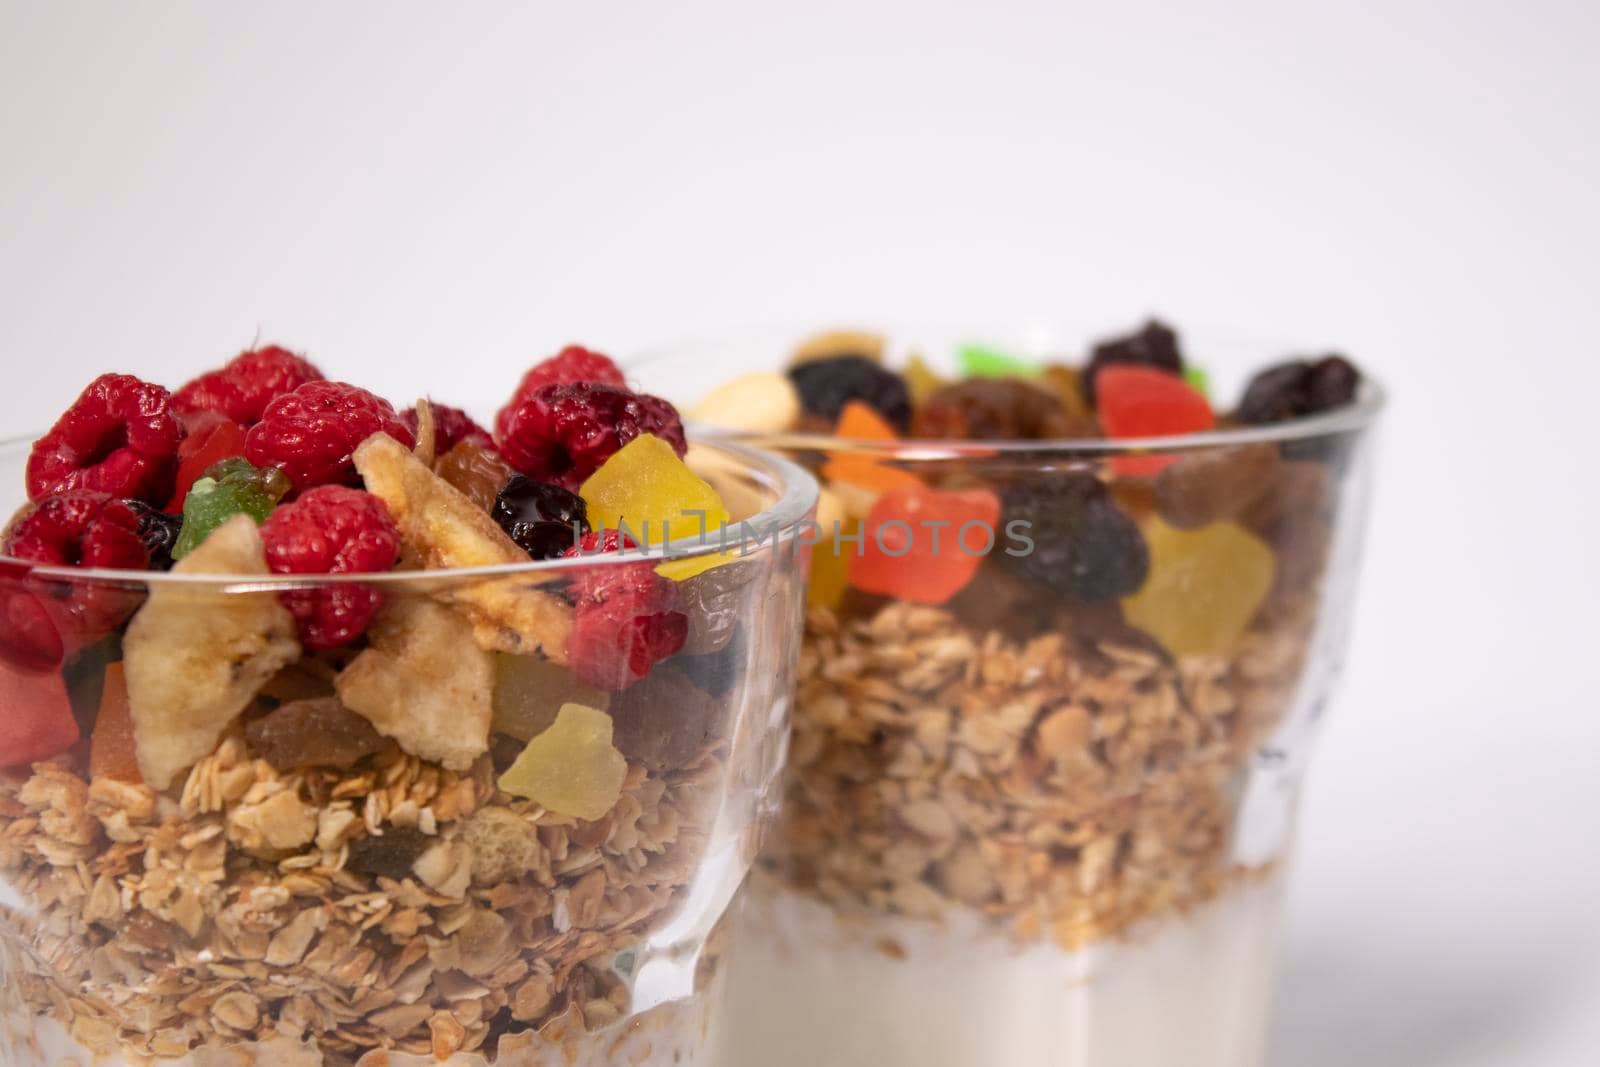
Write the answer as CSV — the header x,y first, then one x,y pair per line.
x,y
1360,414
795,488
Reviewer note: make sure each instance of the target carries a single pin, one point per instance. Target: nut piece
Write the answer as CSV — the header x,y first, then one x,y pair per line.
x,y
196,657
834,343
442,527
761,402
423,682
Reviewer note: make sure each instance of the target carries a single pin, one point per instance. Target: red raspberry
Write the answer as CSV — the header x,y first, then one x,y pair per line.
x,y
562,433
310,433
332,530
118,437
627,617
451,426
246,384
570,365
42,620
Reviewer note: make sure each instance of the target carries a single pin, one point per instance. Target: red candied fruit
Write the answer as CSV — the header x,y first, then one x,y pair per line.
x,y
925,545
451,426
243,387
1139,402
35,716
567,367
310,433
208,443
41,622
563,433
332,530
627,617
119,437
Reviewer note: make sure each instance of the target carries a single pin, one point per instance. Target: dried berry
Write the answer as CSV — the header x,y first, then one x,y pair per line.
x,y
563,433
996,409
159,531
1082,545
390,855
718,673
118,437
310,433
243,387
1155,345
714,601
544,520
1297,388
475,470
664,721
827,385
1214,483
312,733
332,530
570,365
451,426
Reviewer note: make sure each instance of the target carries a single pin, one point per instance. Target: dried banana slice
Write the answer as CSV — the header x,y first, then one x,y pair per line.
x,y
443,528
195,658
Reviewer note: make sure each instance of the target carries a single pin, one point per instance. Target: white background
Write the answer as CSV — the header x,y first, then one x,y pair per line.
x,y
430,197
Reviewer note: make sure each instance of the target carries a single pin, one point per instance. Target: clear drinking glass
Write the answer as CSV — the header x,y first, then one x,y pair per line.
x,y
1023,825
297,887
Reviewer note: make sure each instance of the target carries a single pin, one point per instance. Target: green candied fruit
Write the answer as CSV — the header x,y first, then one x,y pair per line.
x,y
982,361
1197,377
226,489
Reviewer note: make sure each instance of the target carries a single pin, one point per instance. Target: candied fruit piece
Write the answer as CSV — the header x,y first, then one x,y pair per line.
x,y
664,721
986,361
476,471
1155,346
529,690
203,449
111,745
572,768
995,409
229,488
1214,483
827,385
838,542
1204,586
922,380
1072,537
1197,377
924,545
1141,402
1067,384
320,732
391,854
647,491
858,422
35,716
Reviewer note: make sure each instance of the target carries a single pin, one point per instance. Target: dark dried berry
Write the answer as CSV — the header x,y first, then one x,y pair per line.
x,y
390,855
1083,546
320,732
1156,345
1297,388
664,721
544,520
996,409
827,385
159,532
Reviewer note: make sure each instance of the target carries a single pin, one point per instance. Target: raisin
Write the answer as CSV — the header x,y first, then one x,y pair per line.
x,y
827,385
1214,483
665,720
1083,546
312,733
1155,345
543,519
391,855
476,471
1298,388
996,409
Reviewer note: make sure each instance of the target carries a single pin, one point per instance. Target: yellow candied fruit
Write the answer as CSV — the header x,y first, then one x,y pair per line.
x,y
648,490
1204,585
572,768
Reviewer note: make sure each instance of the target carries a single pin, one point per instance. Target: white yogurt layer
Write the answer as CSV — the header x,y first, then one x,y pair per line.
x,y
809,989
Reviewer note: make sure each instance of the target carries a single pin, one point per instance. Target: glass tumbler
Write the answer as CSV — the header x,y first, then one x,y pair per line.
x,y
436,846
1024,822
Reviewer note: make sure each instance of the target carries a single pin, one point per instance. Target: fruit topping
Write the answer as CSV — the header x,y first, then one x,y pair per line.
x,y
204,448
440,527
195,659
563,433
332,530
1155,345
311,433
651,495
529,690
996,409
1299,387
837,542
1141,402
320,732
1204,586
391,854
759,402
241,390
923,545
476,470
832,344
1072,538
985,361
921,380
544,520
1214,483
35,716
119,437
231,487
572,768
159,531
864,468
423,681
112,752
570,365
627,618
714,601
665,721
827,385
451,427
